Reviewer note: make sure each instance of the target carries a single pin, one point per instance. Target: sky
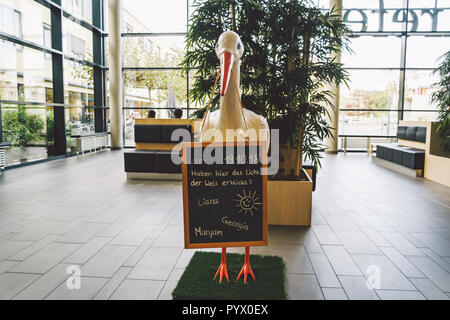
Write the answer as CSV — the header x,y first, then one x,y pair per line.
x,y
159,16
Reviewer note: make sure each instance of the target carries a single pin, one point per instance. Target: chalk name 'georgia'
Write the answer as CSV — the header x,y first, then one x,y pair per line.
x,y
236,224
208,233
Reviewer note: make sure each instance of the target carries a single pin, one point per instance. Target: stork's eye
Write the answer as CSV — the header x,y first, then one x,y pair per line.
x,y
239,46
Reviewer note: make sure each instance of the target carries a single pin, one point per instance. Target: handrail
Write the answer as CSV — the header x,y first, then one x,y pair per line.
x,y
386,110
368,137
365,136
47,104
96,134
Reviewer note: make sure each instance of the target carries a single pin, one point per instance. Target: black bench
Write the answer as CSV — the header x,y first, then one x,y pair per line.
x,y
155,160
157,133
408,157
150,161
412,133
404,155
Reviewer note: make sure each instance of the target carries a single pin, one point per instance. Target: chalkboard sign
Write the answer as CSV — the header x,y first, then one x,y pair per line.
x,y
224,194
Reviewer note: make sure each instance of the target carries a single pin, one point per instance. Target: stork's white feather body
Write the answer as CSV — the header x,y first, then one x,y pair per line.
x,y
247,125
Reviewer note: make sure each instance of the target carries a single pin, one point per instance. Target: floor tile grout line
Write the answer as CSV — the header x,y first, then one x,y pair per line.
x,y
115,289
41,275
173,268
363,273
339,280
436,284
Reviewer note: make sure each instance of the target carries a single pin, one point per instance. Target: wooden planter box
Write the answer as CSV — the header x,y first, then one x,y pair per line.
x,y
289,202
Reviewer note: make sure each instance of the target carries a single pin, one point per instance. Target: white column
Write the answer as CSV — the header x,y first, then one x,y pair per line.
x,y
115,72
332,142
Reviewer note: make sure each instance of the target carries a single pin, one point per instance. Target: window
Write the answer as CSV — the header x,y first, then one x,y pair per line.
x,y
47,39
151,71
23,19
11,21
23,74
20,92
78,92
378,123
49,95
77,40
424,51
27,85
17,24
155,51
387,56
371,89
77,46
418,90
408,44
155,16
79,8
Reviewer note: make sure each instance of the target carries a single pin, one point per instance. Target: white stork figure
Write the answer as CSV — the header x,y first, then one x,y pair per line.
x,y
231,115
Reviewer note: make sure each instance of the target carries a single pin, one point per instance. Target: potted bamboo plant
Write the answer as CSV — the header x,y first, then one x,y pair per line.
x,y
286,69
441,97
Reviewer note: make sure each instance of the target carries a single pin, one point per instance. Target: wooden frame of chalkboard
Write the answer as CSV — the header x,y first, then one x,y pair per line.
x,y
258,217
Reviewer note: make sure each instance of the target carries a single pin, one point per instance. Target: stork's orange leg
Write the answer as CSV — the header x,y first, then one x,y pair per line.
x,y
246,268
222,271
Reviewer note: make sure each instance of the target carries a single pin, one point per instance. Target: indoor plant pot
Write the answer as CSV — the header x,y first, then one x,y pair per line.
x,y
289,202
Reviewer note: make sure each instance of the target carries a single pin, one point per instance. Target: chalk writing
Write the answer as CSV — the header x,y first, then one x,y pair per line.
x,y
208,233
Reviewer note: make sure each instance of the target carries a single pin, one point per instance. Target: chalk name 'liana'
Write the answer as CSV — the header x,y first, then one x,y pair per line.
x,y
207,202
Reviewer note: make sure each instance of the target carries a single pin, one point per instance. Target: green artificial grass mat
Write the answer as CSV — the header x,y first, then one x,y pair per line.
x,y
197,281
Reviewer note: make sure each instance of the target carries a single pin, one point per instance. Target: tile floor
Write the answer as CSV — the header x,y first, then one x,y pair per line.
x,y
376,234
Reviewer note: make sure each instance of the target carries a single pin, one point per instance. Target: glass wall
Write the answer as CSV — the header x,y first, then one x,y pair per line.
x,y
49,71
47,98
396,46
153,44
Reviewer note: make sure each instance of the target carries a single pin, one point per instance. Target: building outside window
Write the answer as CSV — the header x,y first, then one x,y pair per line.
x,y
76,47
11,21
79,8
47,33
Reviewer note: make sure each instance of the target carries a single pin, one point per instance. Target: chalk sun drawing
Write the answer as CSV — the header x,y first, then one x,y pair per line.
x,y
247,202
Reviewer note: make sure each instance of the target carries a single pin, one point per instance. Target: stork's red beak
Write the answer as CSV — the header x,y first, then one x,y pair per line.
x,y
226,63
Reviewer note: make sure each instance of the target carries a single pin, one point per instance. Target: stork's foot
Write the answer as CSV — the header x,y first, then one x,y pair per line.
x,y
246,268
222,271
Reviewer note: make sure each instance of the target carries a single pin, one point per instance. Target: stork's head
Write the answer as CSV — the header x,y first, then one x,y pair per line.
x,y
229,48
